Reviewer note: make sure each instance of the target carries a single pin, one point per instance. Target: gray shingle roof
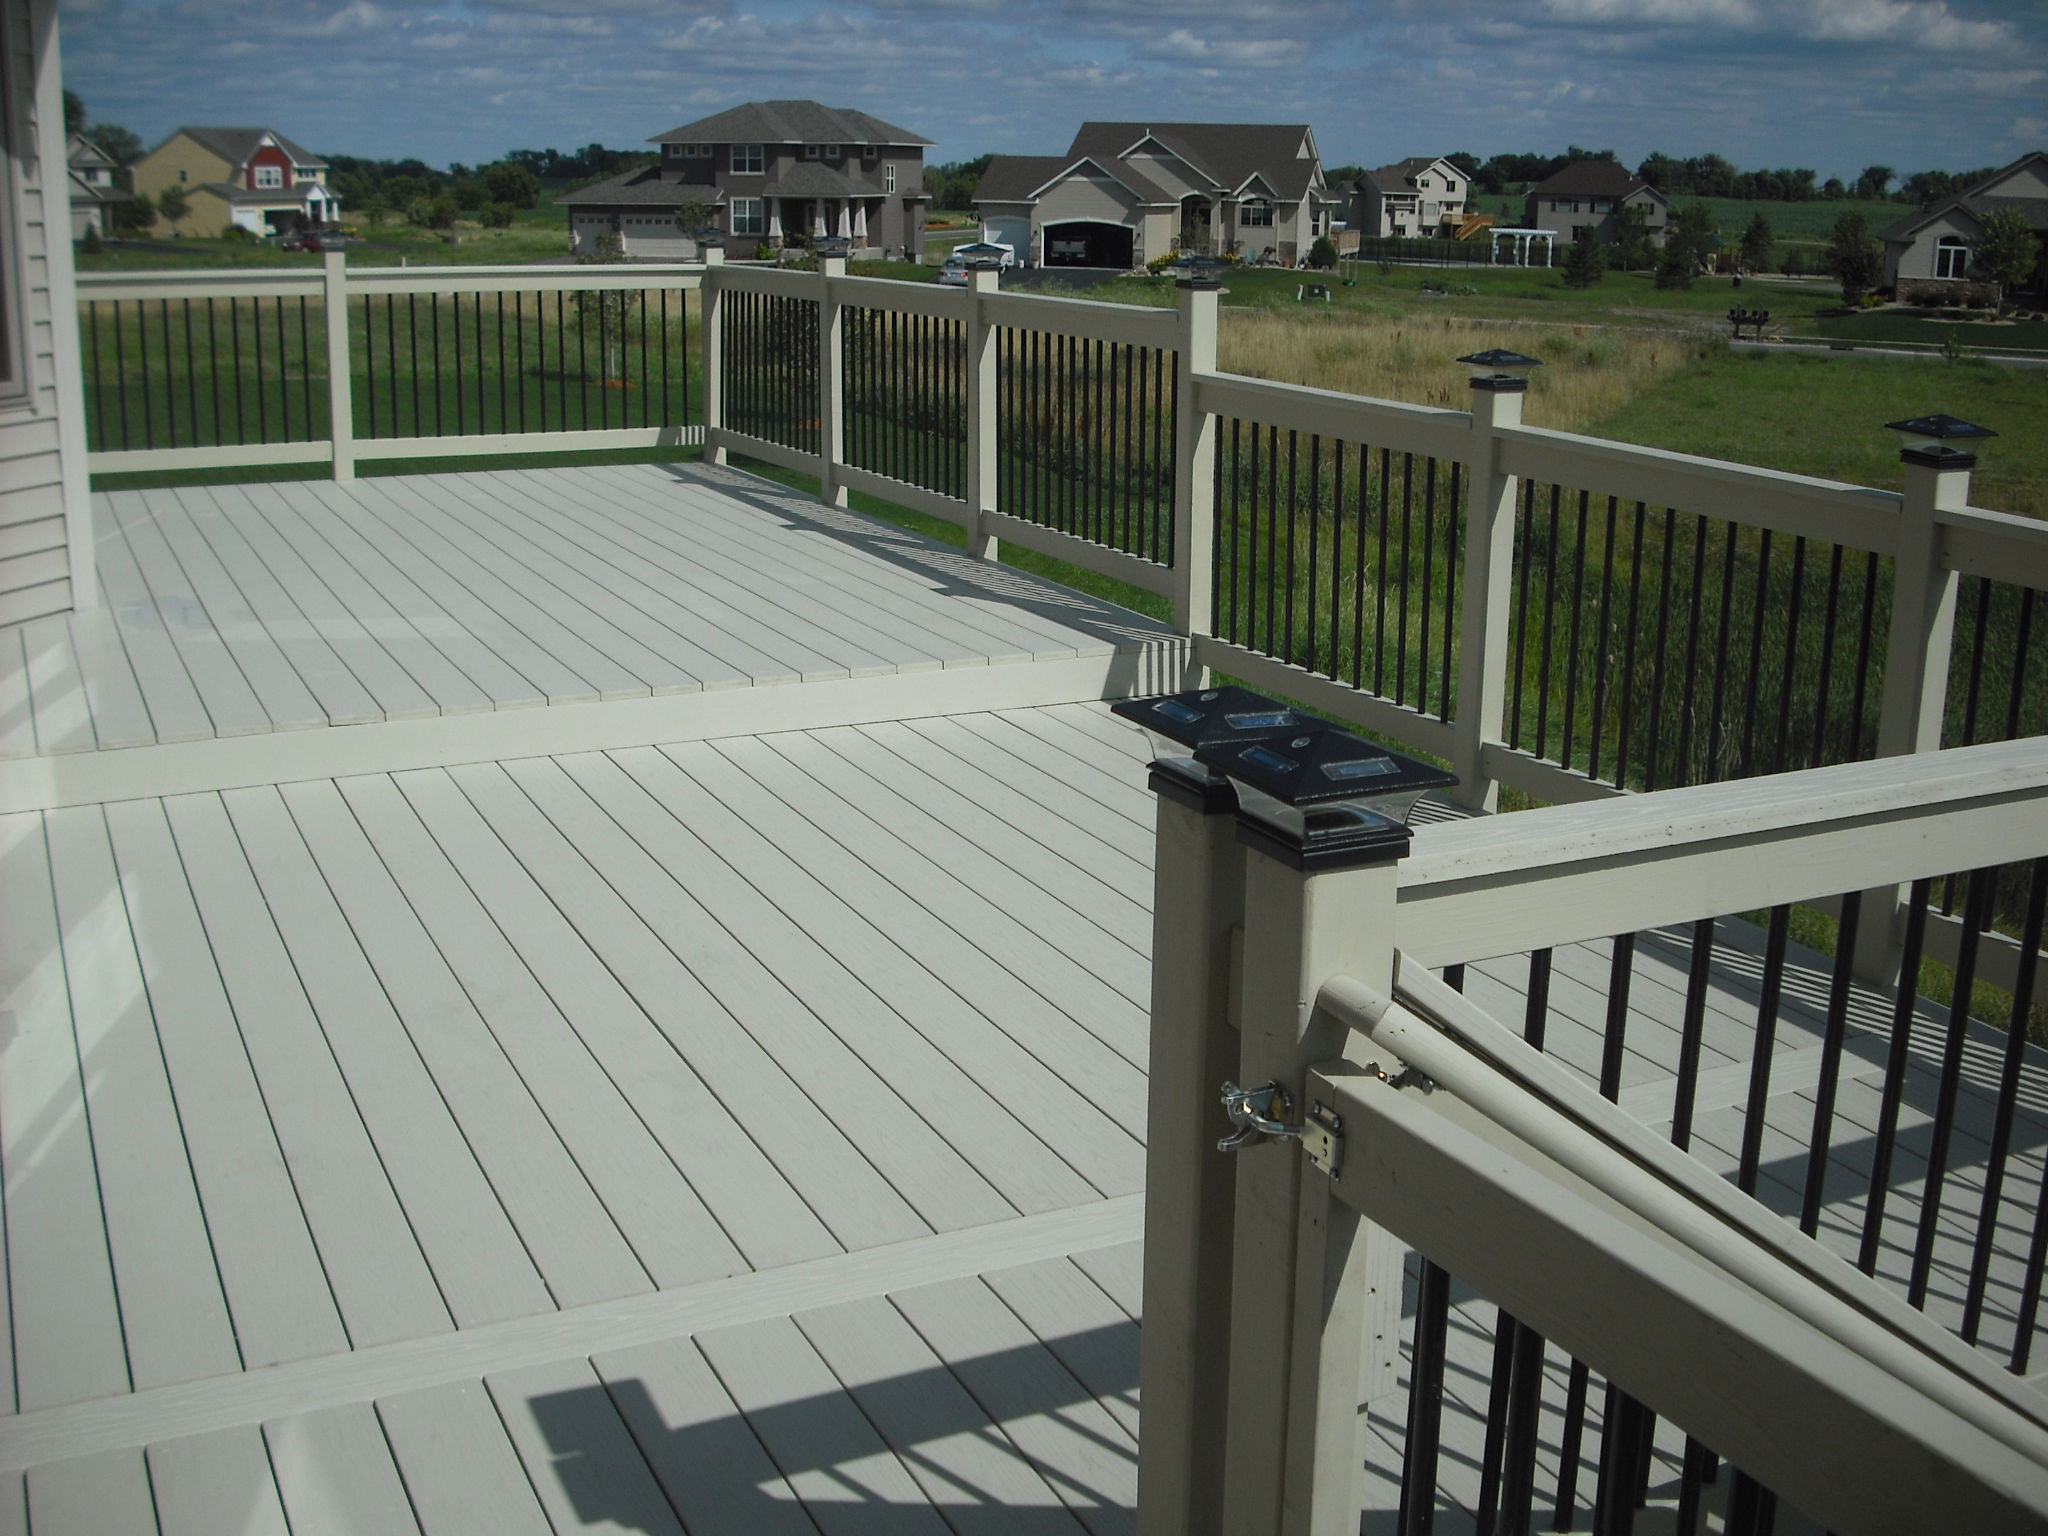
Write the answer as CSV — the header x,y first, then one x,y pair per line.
x,y
1591,178
1228,153
236,145
641,187
789,122
1398,179
240,194
1013,178
1977,203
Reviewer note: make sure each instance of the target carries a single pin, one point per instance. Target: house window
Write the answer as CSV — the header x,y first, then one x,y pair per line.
x,y
1951,256
832,152
1450,186
1256,214
181,175
746,159
869,151
746,216
889,177
696,151
811,151
269,176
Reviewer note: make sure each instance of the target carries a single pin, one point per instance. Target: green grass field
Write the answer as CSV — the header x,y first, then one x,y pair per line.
x,y
1799,222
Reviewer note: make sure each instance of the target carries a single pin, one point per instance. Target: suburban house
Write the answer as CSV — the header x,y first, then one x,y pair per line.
x,y
1588,194
1415,197
252,178
1126,193
764,173
93,191
1933,244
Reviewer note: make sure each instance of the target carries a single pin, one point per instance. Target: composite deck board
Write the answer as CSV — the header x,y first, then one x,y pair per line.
x,y
380,1278
176,712
278,1292
561,1221
973,1122
174,1316
481,999
1085,1330
758,1214
113,696
825,642
853,1092
67,1337
336,1475
56,685
579,1455
1111,1015
791,1128
479,1264
216,1482
103,1495
460,1471
1077,1149
1105,1081
237,521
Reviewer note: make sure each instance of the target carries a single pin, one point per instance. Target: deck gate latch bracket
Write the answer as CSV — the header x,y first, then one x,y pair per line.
x,y
1262,1111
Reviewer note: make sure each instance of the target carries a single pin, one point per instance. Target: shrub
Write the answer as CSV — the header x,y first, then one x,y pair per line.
x,y
90,243
1674,266
497,215
1323,254
240,234
1585,263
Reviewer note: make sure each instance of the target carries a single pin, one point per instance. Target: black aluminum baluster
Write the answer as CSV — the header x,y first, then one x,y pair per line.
x,y
99,402
142,368
1417,1515
1628,651
191,377
1766,1041
1428,579
1752,1508
1315,541
170,374
1689,673
256,349
1401,590
1976,918
1571,1445
1272,533
306,367
1358,566
1527,563
1792,606
1601,628
235,333
1713,772
1287,633
1907,994
1571,658
1824,688
1870,571
1544,646
1444,692
440,387
1830,1063
1756,655
1976,682
1499,1389
1692,1032
1379,634
2013,1059
455,306
2021,645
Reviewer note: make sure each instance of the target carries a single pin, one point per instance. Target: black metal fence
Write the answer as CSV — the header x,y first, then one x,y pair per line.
x,y
768,367
1087,438
1917,1153
185,373
1341,558
904,399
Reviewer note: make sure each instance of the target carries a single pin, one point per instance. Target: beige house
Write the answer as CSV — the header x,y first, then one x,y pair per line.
x,y
1933,245
1589,194
1410,198
46,549
1127,193
254,178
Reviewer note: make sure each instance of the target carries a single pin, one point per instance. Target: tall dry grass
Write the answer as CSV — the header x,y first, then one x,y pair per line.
x,y
1587,372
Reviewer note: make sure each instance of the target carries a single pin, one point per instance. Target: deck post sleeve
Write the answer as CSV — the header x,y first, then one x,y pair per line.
x,y
1916,663
1190,1187
341,396
1487,581
831,380
1194,497
710,335
983,442
1304,1305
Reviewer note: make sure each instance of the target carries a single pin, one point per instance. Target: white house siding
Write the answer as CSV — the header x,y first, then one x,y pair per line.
x,y
1914,262
45,546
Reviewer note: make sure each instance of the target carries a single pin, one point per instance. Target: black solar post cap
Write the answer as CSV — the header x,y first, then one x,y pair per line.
x,y
1206,715
1322,798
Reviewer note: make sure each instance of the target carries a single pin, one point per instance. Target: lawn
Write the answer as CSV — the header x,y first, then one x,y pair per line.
x,y
1800,222
1916,327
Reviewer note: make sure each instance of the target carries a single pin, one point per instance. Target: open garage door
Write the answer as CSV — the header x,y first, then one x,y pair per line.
x,y
1084,243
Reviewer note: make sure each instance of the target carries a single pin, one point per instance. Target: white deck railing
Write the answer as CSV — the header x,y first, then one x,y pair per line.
x,y
1272,1275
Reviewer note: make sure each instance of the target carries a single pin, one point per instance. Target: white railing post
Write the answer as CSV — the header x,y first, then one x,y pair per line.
x,y
341,399
1190,1187
983,442
1194,500
831,381
1313,1301
711,336
1488,580
1916,661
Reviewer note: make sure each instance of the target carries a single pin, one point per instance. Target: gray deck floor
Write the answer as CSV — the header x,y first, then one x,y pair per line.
x,y
741,1134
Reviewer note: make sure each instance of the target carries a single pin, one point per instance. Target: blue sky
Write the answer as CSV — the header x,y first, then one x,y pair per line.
x,y
1833,84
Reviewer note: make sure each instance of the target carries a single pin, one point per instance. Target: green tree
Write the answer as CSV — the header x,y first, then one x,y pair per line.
x,y
1854,258
497,215
135,216
1585,262
1757,242
509,183
2004,252
1874,181
1322,256
174,206
1674,264
1632,249
607,313
122,146
74,111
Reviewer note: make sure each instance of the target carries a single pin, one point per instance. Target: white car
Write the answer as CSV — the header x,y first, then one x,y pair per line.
x,y
973,258
984,250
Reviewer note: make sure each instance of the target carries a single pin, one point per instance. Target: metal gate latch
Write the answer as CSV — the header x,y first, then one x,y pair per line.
x,y
1258,1112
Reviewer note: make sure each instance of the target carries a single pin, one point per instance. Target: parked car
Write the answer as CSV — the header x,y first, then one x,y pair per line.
x,y
984,250
314,240
954,268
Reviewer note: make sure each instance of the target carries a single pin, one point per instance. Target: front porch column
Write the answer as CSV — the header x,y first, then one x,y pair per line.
x,y
774,218
845,224
860,222
818,218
